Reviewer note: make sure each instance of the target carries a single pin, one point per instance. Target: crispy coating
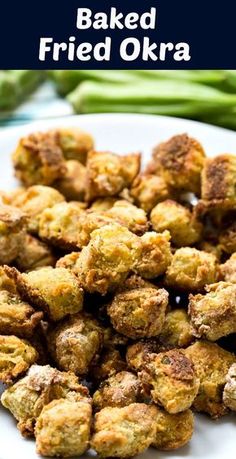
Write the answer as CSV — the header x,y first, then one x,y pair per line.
x,y
73,184
108,258
229,394
184,229
16,356
33,202
169,378
59,225
124,432
227,239
33,254
191,269
42,384
16,316
180,160
173,430
110,362
155,254
228,269
38,159
149,189
128,215
76,343
211,247
12,232
103,204
119,390
68,261
139,313
138,353
108,174
75,143
6,282
219,179
177,330
211,364
135,281
63,428
55,290
213,315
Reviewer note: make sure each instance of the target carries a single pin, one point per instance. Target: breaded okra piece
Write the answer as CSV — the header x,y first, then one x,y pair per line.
x,y
211,364
184,229
76,343
191,270
16,356
109,363
108,258
55,290
138,353
124,432
42,384
180,160
73,184
103,204
155,255
63,428
213,315
75,143
228,269
119,390
12,232
227,239
229,394
128,215
38,159
149,189
33,254
219,179
108,174
139,313
170,379
16,316
34,200
68,261
177,330
173,430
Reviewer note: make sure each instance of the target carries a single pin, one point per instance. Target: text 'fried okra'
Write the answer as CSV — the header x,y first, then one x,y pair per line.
x,y
139,313
124,432
169,378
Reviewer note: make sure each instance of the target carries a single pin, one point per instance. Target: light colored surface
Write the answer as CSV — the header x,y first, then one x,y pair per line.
x,y
122,134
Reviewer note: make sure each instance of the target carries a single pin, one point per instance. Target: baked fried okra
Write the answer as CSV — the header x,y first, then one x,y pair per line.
x,y
108,174
73,184
124,432
211,364
219,181
16,356
128,215
229,394
12,232
103,204
213,315
38,159
75,143
184,229
16,316
33,254
149,189
34,200
55,290
63,428
139,313
42,384
109,363
228,269
108,258
191,269
155,254
227,239
177,330
173,430
180,161
76,343
170,379
119,390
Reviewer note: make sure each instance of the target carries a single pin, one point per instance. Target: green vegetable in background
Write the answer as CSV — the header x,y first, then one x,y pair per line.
x,y
15,85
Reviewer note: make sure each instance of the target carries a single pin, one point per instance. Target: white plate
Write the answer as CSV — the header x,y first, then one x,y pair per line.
x,y
125,133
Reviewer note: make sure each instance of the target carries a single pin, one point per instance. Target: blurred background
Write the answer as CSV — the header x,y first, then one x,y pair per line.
x,y
204,95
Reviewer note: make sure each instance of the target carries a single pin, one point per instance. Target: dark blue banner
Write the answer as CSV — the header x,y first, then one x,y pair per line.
x,y
163,34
